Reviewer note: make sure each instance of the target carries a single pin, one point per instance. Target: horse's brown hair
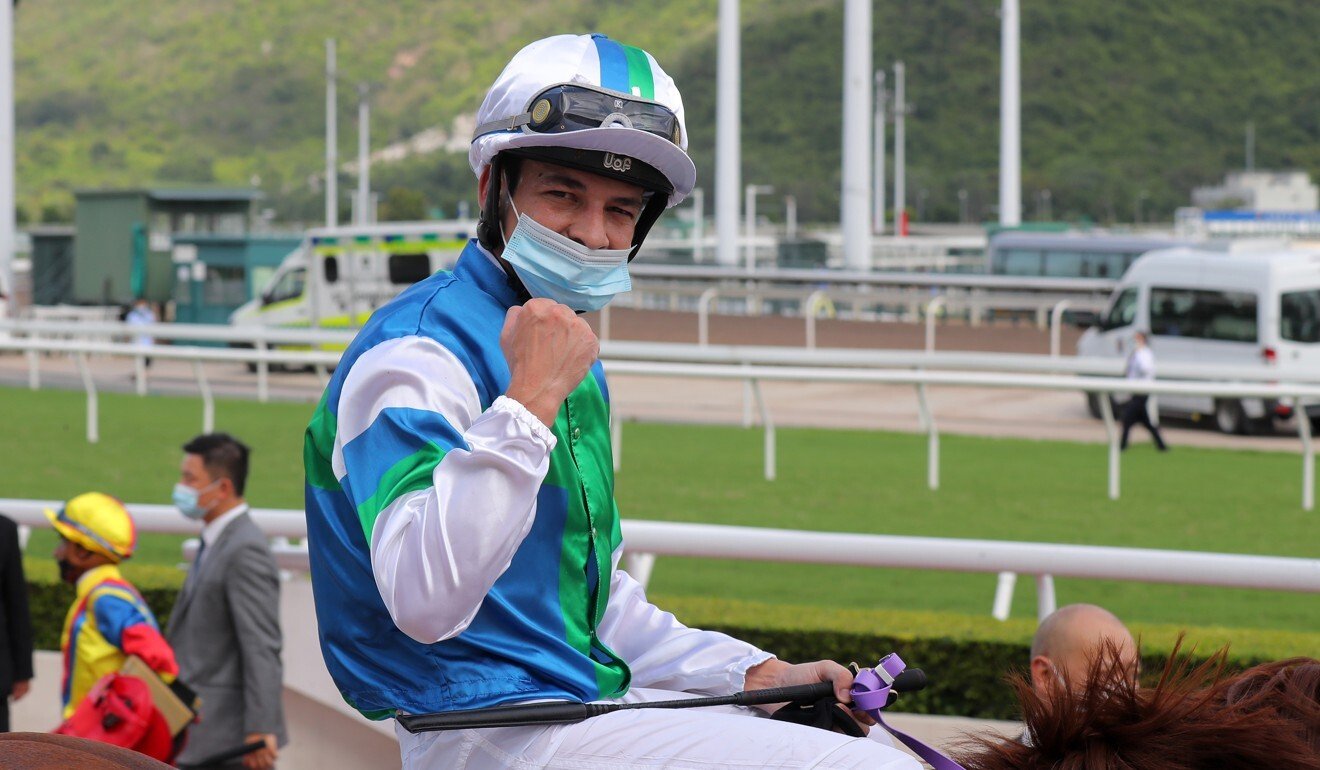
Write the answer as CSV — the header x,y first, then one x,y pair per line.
x,y
1291,688
1109,722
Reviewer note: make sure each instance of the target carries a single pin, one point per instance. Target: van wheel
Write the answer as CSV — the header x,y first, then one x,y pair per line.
x,y
1229,417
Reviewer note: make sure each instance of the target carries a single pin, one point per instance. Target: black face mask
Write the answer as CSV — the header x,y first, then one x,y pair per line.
x,y
68,572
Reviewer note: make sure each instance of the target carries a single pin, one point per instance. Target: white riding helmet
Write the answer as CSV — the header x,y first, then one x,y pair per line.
x,y
571,93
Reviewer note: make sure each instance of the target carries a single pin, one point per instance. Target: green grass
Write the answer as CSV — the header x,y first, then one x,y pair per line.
x,y
829,480
46,454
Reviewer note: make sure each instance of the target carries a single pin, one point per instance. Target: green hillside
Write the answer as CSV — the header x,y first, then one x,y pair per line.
x,y
1118,97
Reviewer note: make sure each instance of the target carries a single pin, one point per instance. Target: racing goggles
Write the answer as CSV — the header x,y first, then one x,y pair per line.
x,y
575,107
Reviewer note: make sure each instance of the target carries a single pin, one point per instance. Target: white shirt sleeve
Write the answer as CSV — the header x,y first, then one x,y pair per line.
x,y
436,552
665,654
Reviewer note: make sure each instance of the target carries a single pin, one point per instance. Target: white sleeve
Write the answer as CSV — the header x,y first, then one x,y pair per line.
x,y
436,551
665,654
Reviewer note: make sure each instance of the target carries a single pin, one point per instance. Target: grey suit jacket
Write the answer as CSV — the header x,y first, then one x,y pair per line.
x,y
225,631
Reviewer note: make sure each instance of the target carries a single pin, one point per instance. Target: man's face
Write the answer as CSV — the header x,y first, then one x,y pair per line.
x,y
210,491
596,211
73,559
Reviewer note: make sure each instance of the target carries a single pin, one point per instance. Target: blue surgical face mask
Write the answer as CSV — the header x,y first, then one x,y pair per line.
x,y
185,499
555,267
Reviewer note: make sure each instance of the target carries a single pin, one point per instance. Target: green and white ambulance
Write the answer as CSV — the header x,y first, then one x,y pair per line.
x,y
339,275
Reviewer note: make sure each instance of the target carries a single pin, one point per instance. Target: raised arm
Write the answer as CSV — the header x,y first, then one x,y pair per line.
x,y
445,491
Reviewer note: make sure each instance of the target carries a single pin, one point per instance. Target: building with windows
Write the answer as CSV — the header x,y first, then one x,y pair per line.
x,y
125,237
1274,191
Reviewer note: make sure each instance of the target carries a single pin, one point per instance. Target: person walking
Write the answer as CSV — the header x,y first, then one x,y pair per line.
x,y
1140,368
225,627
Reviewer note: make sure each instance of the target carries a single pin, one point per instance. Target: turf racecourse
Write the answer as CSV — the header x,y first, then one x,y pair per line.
x,y
829,480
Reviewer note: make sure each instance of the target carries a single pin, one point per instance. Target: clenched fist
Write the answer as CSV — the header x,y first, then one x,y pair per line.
x,y
549,349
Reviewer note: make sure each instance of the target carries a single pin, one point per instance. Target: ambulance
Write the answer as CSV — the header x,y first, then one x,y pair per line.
x,y
338,276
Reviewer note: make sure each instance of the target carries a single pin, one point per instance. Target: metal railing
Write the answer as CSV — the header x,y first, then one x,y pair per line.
x,y
753,374
1296,393
974,304
646,540
815,278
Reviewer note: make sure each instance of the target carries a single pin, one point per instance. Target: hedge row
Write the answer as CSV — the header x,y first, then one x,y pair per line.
x,y
966,658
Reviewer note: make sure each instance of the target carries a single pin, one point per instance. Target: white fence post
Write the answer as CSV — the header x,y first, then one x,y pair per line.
x,y
932,439
931,308
93,418
1004,595
605,323
769,426
34,371
748,397
703,316
812,301
1111,432
639,566
1045,601
208,402
263,374
140,374
1308,455
616,439
1056,320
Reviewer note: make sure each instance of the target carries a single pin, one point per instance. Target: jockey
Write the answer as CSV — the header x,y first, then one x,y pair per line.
x,y
109,620
462,527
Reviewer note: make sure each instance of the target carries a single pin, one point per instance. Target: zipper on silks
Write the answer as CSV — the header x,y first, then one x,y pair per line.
x,y
594,598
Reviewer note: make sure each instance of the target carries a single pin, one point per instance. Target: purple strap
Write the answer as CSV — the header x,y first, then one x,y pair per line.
x,y
870,692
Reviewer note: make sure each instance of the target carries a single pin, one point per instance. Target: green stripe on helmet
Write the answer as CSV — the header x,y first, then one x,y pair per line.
x,y
640,78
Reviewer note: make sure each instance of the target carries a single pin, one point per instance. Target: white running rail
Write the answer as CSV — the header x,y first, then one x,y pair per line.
x,y
645,540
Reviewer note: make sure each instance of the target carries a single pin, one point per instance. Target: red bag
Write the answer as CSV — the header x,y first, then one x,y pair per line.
x,y
118,710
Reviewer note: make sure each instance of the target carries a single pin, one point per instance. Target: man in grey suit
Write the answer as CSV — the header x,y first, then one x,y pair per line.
x,y
225,627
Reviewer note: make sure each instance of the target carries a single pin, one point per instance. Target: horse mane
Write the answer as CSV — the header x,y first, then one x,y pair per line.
x,y
1290,688
1110,722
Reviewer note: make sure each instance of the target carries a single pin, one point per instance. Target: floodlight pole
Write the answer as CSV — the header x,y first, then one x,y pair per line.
x,y
331,139
878,152
1010,114
900,145
856,208
364,156
728,152
7,218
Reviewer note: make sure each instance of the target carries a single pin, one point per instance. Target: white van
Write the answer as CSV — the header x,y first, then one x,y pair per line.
x,y
1221,307
353,271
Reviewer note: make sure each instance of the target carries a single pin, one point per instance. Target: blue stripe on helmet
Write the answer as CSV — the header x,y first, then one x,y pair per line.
x,y
613,64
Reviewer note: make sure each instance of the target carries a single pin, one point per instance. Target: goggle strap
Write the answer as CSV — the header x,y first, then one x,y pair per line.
x,y
511,123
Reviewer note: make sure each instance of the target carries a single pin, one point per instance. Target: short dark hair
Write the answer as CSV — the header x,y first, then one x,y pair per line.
x,y
223,456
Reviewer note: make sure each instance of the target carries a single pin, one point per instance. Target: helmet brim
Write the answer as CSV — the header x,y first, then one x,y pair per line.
x,y
73,535
665,156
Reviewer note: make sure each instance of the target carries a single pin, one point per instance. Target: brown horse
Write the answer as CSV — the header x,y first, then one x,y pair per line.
x,y
44,751
1109,722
